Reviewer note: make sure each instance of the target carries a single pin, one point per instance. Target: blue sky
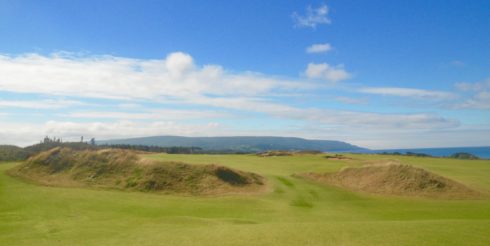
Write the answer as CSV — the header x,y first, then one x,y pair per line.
x,y
379,74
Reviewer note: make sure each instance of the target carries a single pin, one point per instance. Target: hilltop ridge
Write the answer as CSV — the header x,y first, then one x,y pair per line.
x,y
239,143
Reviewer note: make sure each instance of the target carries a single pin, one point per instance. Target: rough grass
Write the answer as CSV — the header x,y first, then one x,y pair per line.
x,y
304,213
395,179
125,170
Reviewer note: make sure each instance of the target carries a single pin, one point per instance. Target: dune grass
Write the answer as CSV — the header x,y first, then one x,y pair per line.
x,y
126,170
294,212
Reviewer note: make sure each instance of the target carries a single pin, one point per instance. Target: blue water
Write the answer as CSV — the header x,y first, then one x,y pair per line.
x,y
482,152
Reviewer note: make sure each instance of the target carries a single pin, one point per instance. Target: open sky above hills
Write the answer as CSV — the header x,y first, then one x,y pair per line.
x,y
378,74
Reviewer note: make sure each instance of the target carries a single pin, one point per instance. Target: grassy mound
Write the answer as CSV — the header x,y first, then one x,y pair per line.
x,y
275,153
394,179
124,169
337,157
288,153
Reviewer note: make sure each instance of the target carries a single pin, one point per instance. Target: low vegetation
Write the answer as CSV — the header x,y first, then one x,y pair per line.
x,y
458,155
408,153
50,143
464,156
154,149
125,170
12,153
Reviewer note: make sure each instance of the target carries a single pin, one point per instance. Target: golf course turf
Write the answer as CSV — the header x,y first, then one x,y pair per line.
x,y
294,211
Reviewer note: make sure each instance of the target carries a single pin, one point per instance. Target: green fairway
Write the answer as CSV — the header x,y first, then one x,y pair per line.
x,y
293,212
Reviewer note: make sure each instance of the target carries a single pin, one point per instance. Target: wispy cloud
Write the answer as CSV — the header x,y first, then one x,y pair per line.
x,y
478,95
333,117
326,72
374,121
351,100
318,48
39,104
159,114
480,100
129,106
408,92
478,86
312,18
457,63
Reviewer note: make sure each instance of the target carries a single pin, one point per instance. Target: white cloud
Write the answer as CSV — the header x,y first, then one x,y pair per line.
x,y
160,114
351,100
408,92
178,64
374,121
319,48
326,72
478,86
461,136
129,106
480,100
313,17
125,78
335,118
39,104
477,95
457,63
124,128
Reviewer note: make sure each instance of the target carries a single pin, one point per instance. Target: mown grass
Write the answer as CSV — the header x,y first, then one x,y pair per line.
x,y
294,212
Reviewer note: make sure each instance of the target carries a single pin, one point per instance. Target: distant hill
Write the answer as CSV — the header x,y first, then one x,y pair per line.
x,y
239,144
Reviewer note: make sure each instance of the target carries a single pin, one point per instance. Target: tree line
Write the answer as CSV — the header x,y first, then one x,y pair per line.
x,y
15,153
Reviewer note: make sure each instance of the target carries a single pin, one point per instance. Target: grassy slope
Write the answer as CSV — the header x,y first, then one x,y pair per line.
x,y
295,213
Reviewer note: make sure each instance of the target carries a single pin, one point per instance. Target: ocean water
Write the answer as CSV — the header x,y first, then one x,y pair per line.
x,y
482,152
